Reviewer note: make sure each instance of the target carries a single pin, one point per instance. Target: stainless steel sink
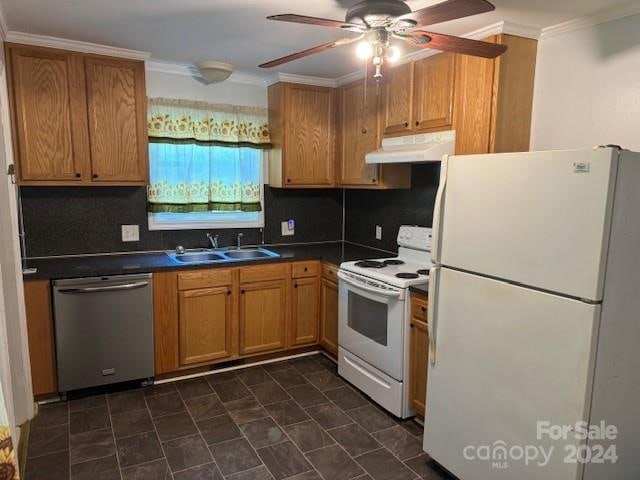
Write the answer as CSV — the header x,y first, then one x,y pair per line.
x,y
196,257
203,255
249,254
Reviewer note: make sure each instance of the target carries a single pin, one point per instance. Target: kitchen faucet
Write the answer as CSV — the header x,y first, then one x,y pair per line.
x,y
240,235
213,240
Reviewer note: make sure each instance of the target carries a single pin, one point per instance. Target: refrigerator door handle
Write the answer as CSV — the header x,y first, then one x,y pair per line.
x,y
432,313
437,212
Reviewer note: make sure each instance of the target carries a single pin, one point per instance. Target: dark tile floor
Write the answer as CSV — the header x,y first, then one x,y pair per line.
x,y
294,419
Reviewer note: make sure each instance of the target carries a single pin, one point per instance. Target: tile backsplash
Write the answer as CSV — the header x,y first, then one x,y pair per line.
x,y
364,209
68,221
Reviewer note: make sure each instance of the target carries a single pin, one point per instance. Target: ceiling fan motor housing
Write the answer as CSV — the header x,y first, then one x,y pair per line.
x,y
376,13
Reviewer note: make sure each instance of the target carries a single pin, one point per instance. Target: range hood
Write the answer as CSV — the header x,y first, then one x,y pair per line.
x,y
421,148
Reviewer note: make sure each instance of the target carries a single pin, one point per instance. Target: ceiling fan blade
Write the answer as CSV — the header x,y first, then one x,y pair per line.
x,y
449,43
448,10
322,22
310,51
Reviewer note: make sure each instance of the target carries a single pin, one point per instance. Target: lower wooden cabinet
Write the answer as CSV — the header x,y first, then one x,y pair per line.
x,y
263,314
305,310
419,353
39,312
206,317
329,310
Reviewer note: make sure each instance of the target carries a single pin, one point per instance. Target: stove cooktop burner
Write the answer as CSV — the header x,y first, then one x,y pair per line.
x,y
370,264
423,271
407,275
393,261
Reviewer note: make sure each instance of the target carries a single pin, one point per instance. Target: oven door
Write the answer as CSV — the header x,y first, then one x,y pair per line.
x,y
371,322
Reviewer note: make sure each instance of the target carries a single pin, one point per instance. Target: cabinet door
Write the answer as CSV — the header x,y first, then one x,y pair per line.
x,y
263,314
50,117
305,316
474,96
398,113
117,119
433,92
205,324
309,149
419,352
359,134
329,316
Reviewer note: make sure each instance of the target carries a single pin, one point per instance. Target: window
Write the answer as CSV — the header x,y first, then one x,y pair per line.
x,y
195,185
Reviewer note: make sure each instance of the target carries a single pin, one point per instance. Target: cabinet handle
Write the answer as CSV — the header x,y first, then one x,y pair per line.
x,y
411,325
424,309
288,180
228,292
95,175
373,180
306,269
78,175
242,292
417,123
406,124
295,285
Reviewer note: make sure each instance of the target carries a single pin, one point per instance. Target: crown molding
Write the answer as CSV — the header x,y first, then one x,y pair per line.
x,y
189,70
75,45
603,16
304,80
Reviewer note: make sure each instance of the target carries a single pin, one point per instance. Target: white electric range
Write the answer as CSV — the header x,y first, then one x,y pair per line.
x,y
374,316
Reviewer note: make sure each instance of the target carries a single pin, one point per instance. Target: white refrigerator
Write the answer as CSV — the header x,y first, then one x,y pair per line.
x,y
535,316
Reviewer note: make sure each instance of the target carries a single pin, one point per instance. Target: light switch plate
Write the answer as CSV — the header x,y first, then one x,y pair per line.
x,y
288,228
130,233
378,232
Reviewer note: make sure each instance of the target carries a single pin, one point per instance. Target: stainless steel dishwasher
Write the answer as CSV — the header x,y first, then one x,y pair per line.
x,y
103,330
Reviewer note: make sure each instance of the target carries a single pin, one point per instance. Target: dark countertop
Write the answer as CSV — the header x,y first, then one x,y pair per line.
x,y
118,264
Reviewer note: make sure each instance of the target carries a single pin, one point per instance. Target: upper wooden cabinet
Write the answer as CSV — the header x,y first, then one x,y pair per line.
x,y
77,119
360,132
117,119
433,82
49,112
494,98
302,124
398,100
420,96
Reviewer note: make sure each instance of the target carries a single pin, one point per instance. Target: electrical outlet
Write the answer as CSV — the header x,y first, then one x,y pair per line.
x,y
288,228
378,232
130,233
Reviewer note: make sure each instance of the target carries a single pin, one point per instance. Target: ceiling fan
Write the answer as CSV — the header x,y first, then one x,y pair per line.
x,y
378,21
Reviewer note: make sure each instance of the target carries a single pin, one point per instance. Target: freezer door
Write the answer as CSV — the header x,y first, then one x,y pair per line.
x,y
506,358
541,218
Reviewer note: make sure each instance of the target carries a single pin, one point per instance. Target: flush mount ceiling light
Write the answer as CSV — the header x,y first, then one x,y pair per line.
x,y
214,72
378,21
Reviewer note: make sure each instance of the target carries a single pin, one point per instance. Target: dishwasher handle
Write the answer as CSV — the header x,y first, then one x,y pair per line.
x,y
109,288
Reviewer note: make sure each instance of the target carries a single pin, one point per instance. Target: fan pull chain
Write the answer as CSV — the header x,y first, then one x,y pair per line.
x,y
366,105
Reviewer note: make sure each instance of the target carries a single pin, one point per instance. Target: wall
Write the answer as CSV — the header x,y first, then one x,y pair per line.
x,y
65,221
364,209
587,89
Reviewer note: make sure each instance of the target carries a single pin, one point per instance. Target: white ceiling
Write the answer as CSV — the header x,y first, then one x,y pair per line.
x,y
237,32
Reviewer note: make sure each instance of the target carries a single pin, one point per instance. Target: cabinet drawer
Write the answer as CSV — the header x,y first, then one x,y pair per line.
x,y
205,278
260,273
330,271
418,308
305,269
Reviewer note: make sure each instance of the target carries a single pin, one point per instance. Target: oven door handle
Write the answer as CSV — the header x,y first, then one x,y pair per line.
x,y
386,293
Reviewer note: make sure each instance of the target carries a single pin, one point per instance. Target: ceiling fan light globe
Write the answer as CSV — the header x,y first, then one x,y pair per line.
x,y
393,54
364,50
214,72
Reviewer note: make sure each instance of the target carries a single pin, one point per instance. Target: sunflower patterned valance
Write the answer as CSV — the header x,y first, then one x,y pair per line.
x,y
206,122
